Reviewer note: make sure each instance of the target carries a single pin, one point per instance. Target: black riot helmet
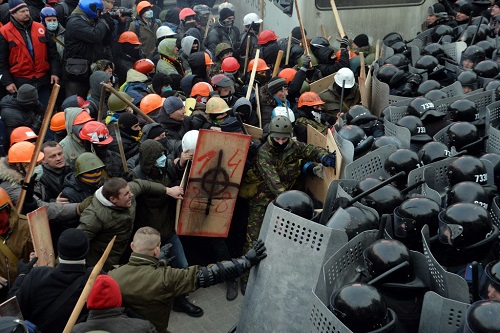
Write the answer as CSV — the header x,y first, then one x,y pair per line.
x,y
492,85
412,215
492,271
470,192
386,72
359,115
383,200
416,127
494,159
468,79
473,54
400,47
422,107
433,49
399,60
463,110
427,63
357,136
402,160
467,168
432,152
361,219
386,254
435,95
487,46
440,31
461,134
296,202
463,225
427,86
487,68
392,38
385,140
482,317
319,42
361,308
471,30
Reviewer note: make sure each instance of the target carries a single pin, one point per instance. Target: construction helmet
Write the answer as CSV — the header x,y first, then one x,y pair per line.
x,y
310,99
82,118
226,5
58,122
150,103
115,104
144,66
280,127
91,7
22,152
208,60
143,5
87,162
216,105
186,12
345,75
288,74
5,199
222,48
189,140
261,65
129,37
202,89
230,65
266,36
22,133
164,31
95,132
250,18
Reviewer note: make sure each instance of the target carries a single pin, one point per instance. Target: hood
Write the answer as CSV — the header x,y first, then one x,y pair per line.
x,y
146,129
197,63
95,83
194,32
240,102
105,202
166,47
187,83
187,44
323,54
8,174
69,118
135,76
148,153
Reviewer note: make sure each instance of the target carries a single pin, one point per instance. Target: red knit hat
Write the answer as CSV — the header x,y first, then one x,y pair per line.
x,y
105,294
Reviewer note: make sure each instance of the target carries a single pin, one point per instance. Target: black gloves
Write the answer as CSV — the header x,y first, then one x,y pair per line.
x,y
29,188
128,176
164,255
306,62
344,42
109,20
25,268
329,160
256,253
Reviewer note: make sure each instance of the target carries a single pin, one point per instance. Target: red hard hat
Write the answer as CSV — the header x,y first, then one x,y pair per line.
x,y
95,132
266,36
144,66
185,13
230,64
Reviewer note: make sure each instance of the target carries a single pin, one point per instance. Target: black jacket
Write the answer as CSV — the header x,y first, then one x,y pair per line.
x,y
64,10
130,145
327,65
75,190
176,129
15,114
53,180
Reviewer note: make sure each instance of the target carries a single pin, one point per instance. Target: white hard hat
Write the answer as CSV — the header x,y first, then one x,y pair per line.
x,y
345,74
189,140
283,111
251,18
226,5
164,31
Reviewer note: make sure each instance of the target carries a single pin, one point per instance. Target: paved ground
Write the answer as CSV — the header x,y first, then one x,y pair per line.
x,y
220,315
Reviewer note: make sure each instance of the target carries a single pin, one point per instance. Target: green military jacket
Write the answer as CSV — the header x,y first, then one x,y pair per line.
x,y
332,99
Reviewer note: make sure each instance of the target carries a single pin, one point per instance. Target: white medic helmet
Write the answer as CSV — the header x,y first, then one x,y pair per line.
x,y
283,111
189,140
164,31
345,74
251,18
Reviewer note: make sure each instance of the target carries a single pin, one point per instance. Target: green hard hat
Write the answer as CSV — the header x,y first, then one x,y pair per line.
x,y
87,162
115,104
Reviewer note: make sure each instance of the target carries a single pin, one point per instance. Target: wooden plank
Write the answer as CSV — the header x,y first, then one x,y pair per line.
x,y
254,131
42,239
213,184
322,84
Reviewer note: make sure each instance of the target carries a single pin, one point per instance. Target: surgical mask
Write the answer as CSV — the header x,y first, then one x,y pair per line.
x,y
161,161
149,14
52,26
167,88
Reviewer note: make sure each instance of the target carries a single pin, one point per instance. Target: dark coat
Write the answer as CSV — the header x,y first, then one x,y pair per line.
x,y
113,321
326,64
219,34
53,180
75,190
15,114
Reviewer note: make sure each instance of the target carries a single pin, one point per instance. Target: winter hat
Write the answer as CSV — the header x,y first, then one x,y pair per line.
x,y
172,104
172,16
275,84
438,10
126,121
15,5
361,40
159,80
466,9
297,34
155,131
230,124
225,13
74,101
27,94
73,244
105,294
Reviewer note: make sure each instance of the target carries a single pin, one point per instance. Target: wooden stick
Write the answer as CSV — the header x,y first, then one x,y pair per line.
x,y
207,27
277,63
362,71
340,28
302,31
246,55
88,287
323,30
135,108
38,145
377,49
120,146
362,79
252,75
102,101
257,101
288,47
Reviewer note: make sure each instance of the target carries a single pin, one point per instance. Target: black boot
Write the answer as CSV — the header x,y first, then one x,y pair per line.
x,y
232,289
243,286
181,304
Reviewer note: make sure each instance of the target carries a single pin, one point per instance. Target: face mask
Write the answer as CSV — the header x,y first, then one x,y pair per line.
x,y
149,14
228,23
167,88
260,78
52,26
317,116
190,25
161,161
255,28
279,146
228,99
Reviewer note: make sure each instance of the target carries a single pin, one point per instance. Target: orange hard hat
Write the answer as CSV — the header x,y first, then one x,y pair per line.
x,y
5,199
185,13
150,103
288,74
266,36
129,37
309,99
230,64
351,55
144,66
261,65
58,122
208,60
22,133
202,89
142,5
82,118
21,152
